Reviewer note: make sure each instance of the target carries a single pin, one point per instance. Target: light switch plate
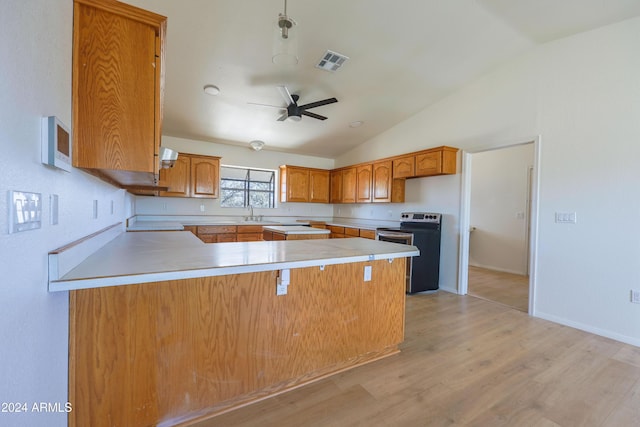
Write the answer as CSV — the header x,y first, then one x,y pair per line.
x,y
25,211
53,209
566,217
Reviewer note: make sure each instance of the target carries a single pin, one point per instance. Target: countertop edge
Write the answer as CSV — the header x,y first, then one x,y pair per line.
x,y
100,282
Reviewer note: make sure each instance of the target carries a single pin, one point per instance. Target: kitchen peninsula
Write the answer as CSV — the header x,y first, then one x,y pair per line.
x,y
166,330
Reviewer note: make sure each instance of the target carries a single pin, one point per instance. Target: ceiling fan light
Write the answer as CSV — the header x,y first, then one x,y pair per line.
x,y
295,118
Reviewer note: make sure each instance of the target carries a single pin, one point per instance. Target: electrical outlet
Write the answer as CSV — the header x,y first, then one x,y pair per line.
x,y
201,207
635,296
367,273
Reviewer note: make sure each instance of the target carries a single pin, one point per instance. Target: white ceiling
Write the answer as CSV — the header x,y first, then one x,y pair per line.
x,y
404,56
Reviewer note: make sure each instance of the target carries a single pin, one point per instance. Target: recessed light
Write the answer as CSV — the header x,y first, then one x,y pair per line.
x,y
356,124
211,90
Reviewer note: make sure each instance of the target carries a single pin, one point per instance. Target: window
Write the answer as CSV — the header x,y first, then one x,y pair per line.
x,y
241,187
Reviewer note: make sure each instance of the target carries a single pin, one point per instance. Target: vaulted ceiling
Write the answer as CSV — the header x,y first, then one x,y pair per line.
x,y
404,55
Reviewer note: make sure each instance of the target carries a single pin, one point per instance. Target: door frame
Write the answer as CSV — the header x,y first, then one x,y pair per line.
x,y
465,211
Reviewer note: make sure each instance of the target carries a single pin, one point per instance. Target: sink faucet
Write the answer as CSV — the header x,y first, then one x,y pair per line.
x,y
250,212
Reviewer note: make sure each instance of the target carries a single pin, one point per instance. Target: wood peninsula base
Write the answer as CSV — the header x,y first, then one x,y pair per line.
x,y
180,351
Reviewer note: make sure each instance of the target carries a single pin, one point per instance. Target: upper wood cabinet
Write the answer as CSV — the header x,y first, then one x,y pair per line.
x,y
404,167
294,184
300,184
382,180
192,176
349,185
437,161
319,183
336,186
117,91
363,183
177,179
205,177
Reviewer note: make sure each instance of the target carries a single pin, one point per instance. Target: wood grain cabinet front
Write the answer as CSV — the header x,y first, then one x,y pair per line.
x,y
404,167
437,161
117,76
349,185
192,176
305,185
217,233
382,181
364,175
249,233
319,182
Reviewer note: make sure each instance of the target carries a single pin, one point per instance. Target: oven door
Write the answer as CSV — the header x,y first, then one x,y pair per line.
x,y
395,237
403,239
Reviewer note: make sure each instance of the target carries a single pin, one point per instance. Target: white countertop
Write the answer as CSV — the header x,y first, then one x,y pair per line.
x,y
295,229
139,222
155,226
143,257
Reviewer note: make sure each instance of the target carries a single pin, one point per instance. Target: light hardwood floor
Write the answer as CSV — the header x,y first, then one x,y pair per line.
x,y
469,362
505,288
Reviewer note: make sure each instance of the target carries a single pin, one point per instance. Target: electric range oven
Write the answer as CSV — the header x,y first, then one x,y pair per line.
x,y
422,230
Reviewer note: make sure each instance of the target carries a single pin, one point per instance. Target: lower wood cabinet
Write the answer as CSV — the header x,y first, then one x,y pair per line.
x,y
217,233
179,351
229,233
249,233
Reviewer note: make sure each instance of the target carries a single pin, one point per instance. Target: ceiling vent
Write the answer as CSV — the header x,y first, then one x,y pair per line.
x,y
331,61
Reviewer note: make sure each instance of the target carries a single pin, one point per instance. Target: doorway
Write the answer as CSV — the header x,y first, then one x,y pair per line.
x,y
498,223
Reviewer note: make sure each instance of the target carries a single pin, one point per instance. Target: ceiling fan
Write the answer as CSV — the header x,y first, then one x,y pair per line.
x,y
293,111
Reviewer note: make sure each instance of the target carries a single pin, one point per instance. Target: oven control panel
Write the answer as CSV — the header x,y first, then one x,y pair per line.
x,y
421,217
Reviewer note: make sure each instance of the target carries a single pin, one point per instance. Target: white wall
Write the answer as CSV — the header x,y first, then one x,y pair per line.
x,y
581,95
233,155
35,66
499,208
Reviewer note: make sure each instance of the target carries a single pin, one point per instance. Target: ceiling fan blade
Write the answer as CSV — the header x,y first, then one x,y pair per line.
x,y
314,115
318,103
286,95
283,117
268,105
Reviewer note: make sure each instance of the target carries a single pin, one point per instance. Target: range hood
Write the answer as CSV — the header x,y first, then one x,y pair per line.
x,y
168,157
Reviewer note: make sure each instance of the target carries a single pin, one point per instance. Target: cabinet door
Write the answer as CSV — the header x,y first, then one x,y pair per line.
x,y
363,180
336,186
404,167
114,91
297,182
382,181
319,186
349,188
177,178
205,177
429,164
